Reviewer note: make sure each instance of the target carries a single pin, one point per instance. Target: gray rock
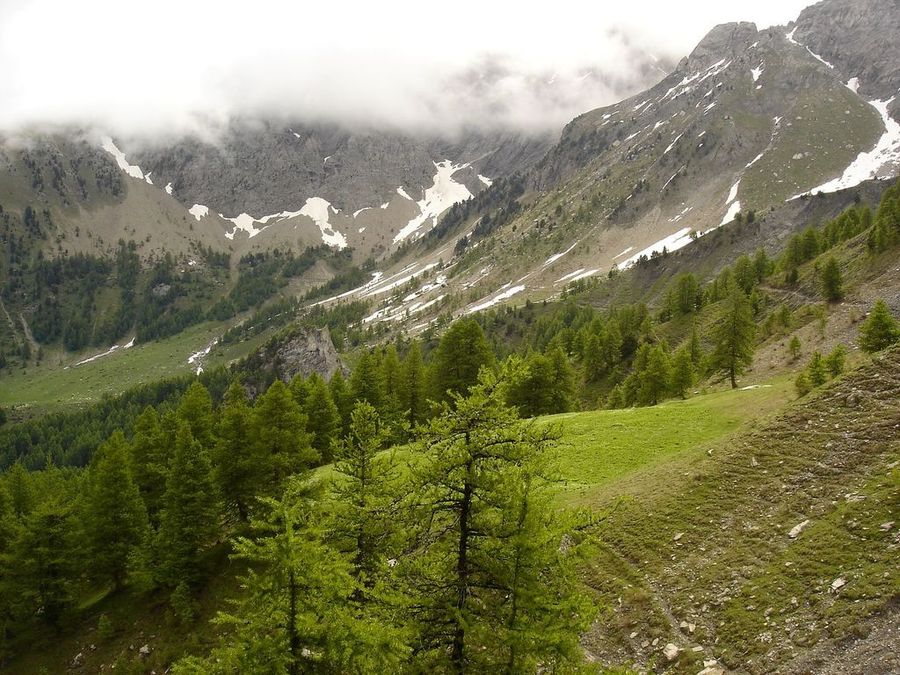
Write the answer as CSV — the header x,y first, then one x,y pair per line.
x,y
671,651
308,351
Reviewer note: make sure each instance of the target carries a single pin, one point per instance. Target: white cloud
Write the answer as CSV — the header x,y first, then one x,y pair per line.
x,y
168,66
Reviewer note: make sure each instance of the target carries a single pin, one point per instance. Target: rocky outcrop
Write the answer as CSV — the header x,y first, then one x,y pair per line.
x,y
308,351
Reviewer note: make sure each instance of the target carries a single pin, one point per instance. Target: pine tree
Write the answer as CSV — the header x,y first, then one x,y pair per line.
x,y
299,389
150,461
190,517
238,467
832,281
279,429
114,517
295,614
835,360
734,338
343,399
816,370
562,395
460,355
366,381
364,495
794,348
322,418
472,541
802,384
196,409
43,561
655,376
414,386
682,372
880,330
391,380
531,393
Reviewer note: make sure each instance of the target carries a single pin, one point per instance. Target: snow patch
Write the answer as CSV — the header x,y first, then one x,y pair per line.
x,y
671,243
570,275
197,357
98,356
402,193
438,198
732,211
756,72
505,295
317,209
168,188
732,194
199,211
672,144
358,211
853,85
870,164
556,256
131,169
484,179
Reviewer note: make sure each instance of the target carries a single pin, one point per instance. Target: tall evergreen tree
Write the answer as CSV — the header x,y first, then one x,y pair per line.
x,y
196,408
832,281
367,382
683,374
464,567
460,355
413,388
880,330
323,422
343,399
150,461
295,614
734,338
279,429
114,517
190,516
365,493
238,467
655,376
562,396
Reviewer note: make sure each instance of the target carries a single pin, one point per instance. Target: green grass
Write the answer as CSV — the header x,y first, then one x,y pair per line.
x,y
52,387
603,447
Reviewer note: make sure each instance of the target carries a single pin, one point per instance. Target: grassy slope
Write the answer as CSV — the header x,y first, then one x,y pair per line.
x,y
47,388
705,541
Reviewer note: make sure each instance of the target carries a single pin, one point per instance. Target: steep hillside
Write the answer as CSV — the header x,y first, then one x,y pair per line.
x,y
772,551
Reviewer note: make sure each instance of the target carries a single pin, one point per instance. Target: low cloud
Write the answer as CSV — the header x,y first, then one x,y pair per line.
x,y
170,68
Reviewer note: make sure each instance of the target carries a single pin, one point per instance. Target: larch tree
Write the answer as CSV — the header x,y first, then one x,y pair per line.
x,y
190,516
460,355
114,517
279,430
414,386
733,352
237,465
323,421
462,571
150,461
880,330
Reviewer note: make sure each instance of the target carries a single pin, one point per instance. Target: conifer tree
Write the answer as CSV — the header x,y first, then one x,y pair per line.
x,y
238,467
834,362
414,386
323,421
832,281
794,348
196,409
694,346
299,389
562,395
683,375
149,461
343,399
114,517
460,355
295,614
655,376
880,330
391,376
463,571
365,493
43,561
279,429
734,338
366,381
21,491
189,522
816,370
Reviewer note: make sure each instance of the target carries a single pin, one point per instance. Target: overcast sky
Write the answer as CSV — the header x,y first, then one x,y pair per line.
x,y
175,66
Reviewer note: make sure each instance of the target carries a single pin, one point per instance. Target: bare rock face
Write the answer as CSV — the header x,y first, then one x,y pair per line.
x,y
308,351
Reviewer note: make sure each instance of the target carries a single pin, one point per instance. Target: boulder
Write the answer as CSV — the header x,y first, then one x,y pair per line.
x,y
307,351
671,651
797,529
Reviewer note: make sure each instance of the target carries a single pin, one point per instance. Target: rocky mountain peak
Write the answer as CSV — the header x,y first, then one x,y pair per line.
x,y
725,41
